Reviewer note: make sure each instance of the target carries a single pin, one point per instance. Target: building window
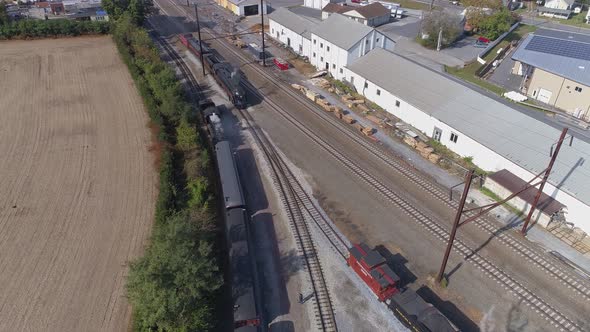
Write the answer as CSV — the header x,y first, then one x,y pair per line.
x,y
314,54
314,41
437,134
377,40
273,31
327,48
351,79
366,85
321,45
282,32
341,71
397,103
454,137
333,66
378,92
367,41
578,89
321,59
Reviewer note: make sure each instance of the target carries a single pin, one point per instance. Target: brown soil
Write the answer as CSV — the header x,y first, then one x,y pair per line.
x,y
77,185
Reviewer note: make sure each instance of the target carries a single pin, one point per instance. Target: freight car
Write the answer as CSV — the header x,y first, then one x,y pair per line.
x,y
408,306
228,78
230,182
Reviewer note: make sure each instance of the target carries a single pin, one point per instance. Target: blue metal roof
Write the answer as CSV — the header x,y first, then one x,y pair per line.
x,y
562,53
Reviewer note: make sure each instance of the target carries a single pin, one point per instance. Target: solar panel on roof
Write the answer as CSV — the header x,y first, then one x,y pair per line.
x,y
566,48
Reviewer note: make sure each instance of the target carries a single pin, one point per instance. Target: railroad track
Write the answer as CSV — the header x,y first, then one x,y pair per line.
x,y
552,315
546,264
298,204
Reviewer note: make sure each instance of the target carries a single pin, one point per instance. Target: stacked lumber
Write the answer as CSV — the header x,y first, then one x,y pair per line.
x,y
298,87
311,95
339,113
368,131
375,120
411,141
433,158
348,119
363,108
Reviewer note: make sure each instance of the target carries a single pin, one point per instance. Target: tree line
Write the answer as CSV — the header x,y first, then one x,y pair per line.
x,y
27,28
175,285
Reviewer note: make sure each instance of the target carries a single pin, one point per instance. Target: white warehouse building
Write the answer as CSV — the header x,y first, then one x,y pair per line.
x,y
330,44
474,125
294,30
338,41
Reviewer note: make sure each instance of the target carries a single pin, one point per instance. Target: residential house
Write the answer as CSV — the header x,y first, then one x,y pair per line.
x,y
373,15
338,41
555,66
332,8
475,125
243,7
557,8
319,4
294,29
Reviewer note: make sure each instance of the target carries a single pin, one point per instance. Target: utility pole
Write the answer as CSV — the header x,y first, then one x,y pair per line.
x,y
438,44
545,177
544,174
262,23
200,40
187,4
468,180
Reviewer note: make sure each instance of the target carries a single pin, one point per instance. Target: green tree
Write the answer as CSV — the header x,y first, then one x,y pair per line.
x,y
436,20
494,25
4,18
186,136
171,286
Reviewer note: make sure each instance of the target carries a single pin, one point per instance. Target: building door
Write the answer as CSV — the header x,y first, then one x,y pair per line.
x,y
327,66
437,134
544,96
300,49
251,10
288,41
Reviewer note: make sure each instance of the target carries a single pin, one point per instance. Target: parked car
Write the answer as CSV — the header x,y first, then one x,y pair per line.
x,y
482,42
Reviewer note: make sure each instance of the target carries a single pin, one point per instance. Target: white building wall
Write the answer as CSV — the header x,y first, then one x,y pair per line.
x,y
299,44
484,157
338,58
557,4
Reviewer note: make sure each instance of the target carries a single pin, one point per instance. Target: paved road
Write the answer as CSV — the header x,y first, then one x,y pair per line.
x,y
363,215
542,23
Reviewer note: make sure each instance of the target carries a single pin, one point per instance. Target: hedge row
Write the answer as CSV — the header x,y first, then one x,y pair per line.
x,y
52,28
173,286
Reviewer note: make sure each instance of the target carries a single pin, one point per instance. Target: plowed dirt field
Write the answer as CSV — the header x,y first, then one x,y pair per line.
x,y
77,184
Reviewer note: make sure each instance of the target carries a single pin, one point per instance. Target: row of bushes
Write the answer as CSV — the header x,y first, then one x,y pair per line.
x,y
51,28
174,285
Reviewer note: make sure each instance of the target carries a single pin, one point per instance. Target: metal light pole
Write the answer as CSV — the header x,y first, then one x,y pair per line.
x,y
262,23
200,40
468,179
545,177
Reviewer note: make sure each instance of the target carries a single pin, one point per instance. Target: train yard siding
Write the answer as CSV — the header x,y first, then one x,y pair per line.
x,y
78,185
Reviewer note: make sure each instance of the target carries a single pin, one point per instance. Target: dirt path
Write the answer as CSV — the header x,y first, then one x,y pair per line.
x,y
77,185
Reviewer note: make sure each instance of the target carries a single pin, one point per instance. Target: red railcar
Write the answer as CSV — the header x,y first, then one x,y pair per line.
x,y
374,271
193,44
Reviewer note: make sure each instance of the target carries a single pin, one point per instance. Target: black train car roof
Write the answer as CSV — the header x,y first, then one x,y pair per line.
x,y
230,183
424,312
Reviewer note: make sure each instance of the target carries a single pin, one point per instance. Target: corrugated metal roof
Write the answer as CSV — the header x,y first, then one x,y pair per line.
x,y
341,31
299,24
513,184
510,133
575,68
